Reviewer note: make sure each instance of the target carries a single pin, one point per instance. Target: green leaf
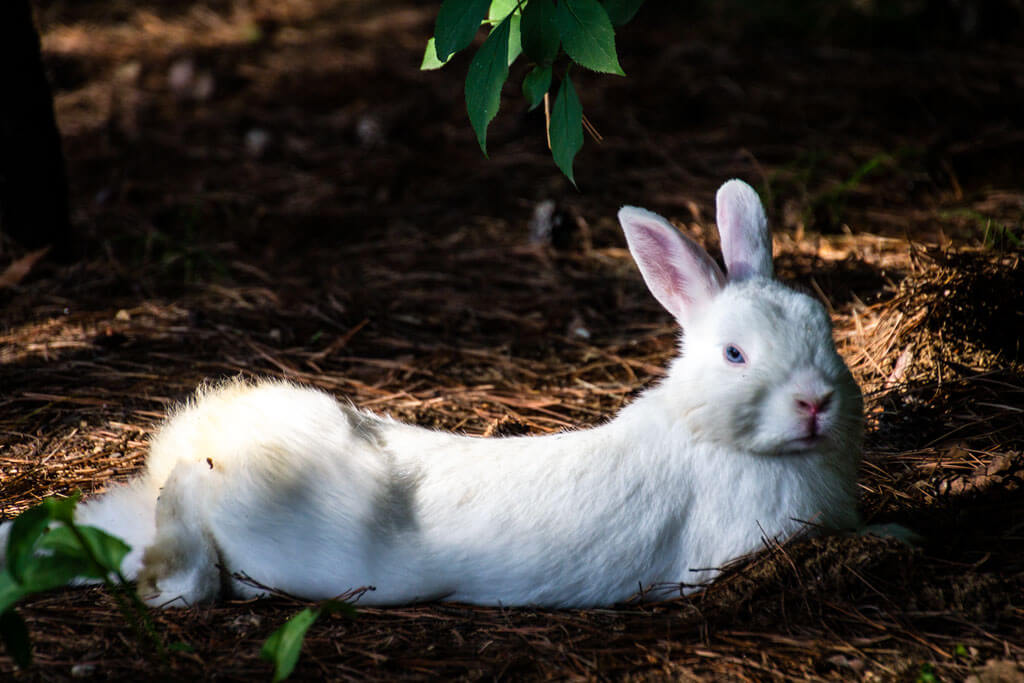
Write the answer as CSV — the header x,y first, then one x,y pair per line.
x,y
25,531
284,645
430,60
31,524
10,591
515,39
108,550
536,84
487,74
457,23
46,572
621,11
566,127
63,509
540,37
500,9
15,635
504,8
587,35
61,540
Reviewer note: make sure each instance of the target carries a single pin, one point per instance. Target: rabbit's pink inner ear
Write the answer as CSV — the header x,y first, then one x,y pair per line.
x,y
743,227
679,273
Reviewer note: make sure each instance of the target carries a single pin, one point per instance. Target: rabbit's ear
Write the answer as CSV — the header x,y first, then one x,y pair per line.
x,y
679,273
743,227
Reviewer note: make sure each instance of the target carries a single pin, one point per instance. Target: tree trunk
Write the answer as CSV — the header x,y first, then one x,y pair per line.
x,y
34,207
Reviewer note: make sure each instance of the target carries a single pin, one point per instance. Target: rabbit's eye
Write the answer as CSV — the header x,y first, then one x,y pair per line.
x,y
734,355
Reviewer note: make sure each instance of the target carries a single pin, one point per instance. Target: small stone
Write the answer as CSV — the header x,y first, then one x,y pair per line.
x,y
256,141
181,76
577,328
369,131
245,623
187,83
83,670
844,662
542,222
998,671
1000,463
204,87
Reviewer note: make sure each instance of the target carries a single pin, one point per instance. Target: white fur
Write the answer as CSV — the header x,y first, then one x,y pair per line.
x,y
743,229
314,498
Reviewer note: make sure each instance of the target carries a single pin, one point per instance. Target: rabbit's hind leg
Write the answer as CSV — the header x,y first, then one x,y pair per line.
x,y
182,566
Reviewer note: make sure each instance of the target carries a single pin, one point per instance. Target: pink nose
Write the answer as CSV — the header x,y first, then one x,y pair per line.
x,y
811,406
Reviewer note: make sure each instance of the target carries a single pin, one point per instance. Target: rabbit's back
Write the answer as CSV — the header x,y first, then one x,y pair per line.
x,y
314,497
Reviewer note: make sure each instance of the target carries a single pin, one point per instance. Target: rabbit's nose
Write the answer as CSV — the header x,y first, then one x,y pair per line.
x,y
813,405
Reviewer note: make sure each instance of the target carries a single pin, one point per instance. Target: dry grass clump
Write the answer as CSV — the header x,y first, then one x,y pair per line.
x,y
957,314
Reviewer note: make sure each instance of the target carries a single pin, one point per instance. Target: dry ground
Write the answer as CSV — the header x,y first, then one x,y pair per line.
x,y
273,188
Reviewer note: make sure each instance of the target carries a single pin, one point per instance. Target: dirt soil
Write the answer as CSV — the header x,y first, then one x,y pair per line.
x,y
274,189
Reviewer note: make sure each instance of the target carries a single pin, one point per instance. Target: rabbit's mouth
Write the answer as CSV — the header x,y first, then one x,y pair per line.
x,y
802,444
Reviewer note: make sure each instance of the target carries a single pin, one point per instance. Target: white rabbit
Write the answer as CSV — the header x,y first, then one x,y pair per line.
x,y
755,430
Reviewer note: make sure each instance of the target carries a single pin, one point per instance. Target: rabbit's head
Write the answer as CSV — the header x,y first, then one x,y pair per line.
x,y
758,369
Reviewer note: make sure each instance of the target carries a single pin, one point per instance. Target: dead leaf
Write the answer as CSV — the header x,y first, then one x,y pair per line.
x,y
17,271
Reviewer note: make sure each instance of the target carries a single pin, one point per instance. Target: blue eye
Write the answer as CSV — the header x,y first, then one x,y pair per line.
x,y
734,355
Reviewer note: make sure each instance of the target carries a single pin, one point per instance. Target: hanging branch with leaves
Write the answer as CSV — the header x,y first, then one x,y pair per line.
x,y
542,31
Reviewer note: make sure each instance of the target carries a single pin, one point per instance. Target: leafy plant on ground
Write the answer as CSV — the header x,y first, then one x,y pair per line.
x,y
46,549
995,234
285,644
830,205
543,32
